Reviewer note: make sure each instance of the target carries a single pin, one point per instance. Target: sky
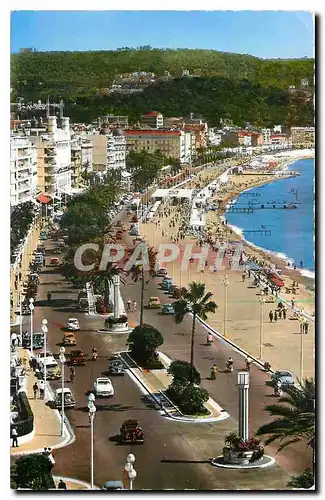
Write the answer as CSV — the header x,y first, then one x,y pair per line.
x,y
266,34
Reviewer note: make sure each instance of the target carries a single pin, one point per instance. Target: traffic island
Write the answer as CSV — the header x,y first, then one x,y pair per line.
x,y
116,325
265,461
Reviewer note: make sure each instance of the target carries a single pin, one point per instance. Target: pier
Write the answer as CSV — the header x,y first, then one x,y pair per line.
x,y
261,232
250,209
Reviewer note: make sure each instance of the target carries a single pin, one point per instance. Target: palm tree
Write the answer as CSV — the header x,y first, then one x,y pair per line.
x,y
137,273
196,301
296,419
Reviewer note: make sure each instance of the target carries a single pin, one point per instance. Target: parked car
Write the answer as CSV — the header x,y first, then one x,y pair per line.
x,y
167,283
154,303
103,387
69,400
43,236
76,357
54,262
83,304
73,324
285,377
113,486
38,340
69,339
53,371
168,309
162,272
116,367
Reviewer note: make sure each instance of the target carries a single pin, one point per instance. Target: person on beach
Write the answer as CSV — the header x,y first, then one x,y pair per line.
x,y
301,264
271,316
275,316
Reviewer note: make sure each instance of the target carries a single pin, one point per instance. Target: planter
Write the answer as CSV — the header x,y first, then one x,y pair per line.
x,y
119,327
237,457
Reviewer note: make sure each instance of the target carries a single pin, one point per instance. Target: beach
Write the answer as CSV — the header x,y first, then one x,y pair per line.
x,y
281,343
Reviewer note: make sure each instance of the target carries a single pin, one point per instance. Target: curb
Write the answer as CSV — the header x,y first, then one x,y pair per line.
x,y
74,480
224,415
214,462
232,344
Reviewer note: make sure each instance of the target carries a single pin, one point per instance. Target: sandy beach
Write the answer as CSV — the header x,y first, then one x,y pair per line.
x,y
281,340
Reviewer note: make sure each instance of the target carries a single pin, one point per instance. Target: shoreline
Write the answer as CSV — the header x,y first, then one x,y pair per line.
x,y
278,259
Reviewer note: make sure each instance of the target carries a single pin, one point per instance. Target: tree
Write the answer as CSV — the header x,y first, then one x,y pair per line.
x,y
197,302
184,372
33,471
193,399
305,480
144,340
296,418
137,273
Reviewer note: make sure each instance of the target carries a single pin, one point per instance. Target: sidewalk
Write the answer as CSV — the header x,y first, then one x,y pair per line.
x,y
73,484
47,422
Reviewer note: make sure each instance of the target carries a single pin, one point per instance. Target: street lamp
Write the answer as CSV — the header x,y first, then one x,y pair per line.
x,y
130,459
243,385
31,307
44,330
225,284
62,360
92,412
262,302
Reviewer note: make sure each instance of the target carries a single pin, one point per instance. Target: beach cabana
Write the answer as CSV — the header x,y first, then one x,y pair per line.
x,y
184,193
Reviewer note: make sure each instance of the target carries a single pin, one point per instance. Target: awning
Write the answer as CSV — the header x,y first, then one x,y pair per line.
x,y
43,199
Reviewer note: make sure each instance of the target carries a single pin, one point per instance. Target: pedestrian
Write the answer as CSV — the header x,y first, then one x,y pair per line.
x,y
301,264
128,304
306,327
13,339
62,485
292,303
14,435
271,316
35,390
284,312
41,386
134,305
280,313
243,277
302,326
275,316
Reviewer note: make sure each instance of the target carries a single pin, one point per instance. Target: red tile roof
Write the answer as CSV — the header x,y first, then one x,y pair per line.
x,y
152,132
43,199
152,113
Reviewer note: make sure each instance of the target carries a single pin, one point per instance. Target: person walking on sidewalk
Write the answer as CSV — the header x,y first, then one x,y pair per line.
x,y
41,386
275,316
14,435
62,485
134,305
128,305
306,325
271,316
35,390
284,312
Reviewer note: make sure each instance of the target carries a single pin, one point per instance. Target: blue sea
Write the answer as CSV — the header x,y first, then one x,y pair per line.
x,y
292,231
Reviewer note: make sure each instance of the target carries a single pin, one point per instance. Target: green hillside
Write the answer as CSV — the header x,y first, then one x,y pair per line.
x,y
69,74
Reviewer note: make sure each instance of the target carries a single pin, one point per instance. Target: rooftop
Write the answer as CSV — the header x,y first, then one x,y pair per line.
x,y
152,132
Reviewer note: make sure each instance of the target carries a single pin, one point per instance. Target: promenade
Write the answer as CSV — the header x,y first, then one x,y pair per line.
x,y
281,342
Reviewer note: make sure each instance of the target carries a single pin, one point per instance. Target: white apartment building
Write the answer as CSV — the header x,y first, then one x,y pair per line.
x,y
55,156
87,155
23,170
267,132
214,136
116,150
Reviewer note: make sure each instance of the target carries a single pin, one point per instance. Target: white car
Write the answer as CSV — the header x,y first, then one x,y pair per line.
x,y
103,387
73,324
48,360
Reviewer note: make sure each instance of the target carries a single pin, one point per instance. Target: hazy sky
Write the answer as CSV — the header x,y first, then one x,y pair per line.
x,y
268,34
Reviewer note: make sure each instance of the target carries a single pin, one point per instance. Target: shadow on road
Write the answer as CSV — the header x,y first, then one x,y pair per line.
x,y
67,310
55,303
207,461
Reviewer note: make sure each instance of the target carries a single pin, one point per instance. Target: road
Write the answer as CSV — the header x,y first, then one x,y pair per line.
x,y
174,455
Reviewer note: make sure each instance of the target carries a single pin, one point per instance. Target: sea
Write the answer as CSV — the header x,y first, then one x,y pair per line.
x,y
290,232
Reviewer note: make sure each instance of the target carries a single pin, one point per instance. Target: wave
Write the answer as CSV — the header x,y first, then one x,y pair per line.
x,y
307,273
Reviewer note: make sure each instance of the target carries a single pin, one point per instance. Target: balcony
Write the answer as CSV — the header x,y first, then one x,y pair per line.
x,y
24,187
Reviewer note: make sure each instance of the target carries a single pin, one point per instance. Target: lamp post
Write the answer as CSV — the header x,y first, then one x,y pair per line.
x,y
45,331
243,385
130,459
62,360
31,307
225,285
261,301
92,412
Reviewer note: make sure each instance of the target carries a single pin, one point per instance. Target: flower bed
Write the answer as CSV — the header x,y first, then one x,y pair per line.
x,y
240,452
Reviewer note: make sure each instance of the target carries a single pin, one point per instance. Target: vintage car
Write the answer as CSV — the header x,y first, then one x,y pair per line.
x,y
131,432
69,400
76,357
283,376
154,303
116,367
53,371
73,324
103,387
162,272
38,340
54,262
168,309
69,339
43,236
167,283
113,486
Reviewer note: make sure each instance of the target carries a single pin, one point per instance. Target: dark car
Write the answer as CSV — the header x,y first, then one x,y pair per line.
x,y
116,367
76,357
